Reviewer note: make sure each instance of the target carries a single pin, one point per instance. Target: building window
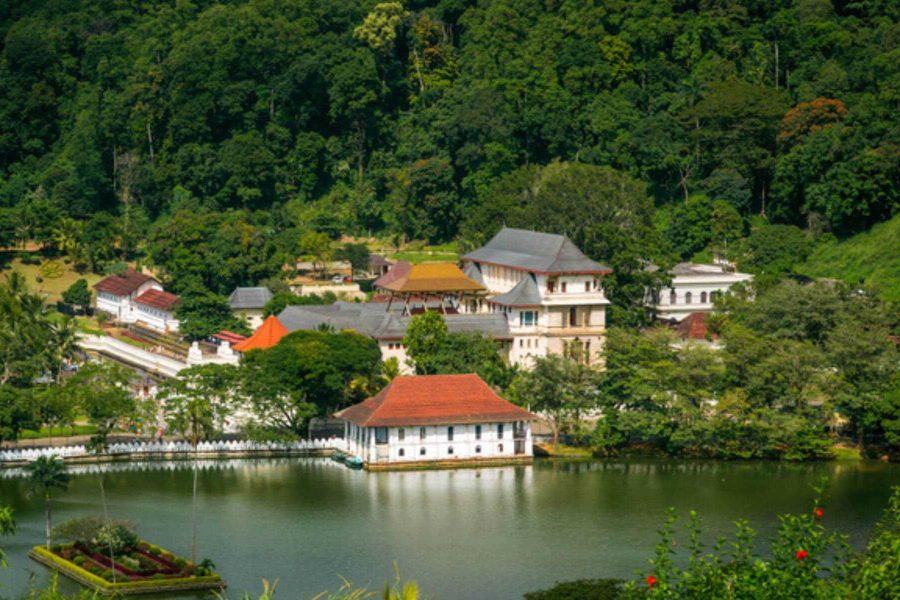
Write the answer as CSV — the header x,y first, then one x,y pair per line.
x,y
687,298
449,449
587,286
521,342
527,318
478,432
562,288
450,434
477,449
421,433
422,451
401,452
500,447
673,298
702,297
573,317
381,435
401,434
499,431
551,285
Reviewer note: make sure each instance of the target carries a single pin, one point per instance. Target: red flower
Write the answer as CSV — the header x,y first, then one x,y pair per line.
x,y
801,554
818,512
651,580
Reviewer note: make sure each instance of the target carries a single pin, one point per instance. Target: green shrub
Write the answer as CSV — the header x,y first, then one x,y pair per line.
x,y
582,589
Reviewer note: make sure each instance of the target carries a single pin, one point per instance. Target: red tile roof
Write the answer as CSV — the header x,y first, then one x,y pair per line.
x,y
157,299
268,334
400,269
693,327
124,284
229,336
434,400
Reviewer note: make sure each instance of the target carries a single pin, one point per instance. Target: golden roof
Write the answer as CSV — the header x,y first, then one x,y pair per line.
x,y
433,278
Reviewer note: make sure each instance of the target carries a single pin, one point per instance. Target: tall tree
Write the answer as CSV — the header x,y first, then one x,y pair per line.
x,y
46,474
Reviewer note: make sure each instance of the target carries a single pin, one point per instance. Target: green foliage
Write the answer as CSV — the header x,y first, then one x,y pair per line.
x,y
791,359
307,373
582,589
202,313
876,572
803,560
356,254
197,403
78,294
560,387
100,391
7,527
868,258
431,350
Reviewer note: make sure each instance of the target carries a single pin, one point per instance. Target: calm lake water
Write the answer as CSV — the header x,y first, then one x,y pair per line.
x,y
469,534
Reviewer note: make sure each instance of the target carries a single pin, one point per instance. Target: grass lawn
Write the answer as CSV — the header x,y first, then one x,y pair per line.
x,y
54,281
871,257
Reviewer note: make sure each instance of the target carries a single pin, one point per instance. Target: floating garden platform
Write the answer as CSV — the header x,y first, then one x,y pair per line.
x,y
140,569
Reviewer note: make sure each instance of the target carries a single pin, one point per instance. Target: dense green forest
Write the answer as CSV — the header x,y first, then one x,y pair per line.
x,y
207,137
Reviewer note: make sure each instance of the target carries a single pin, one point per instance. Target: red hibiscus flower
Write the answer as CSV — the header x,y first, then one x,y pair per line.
x,y
651,580
818,512
801,554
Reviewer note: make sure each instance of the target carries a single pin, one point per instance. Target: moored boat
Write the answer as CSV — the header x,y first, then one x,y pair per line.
x,y
338,456
354,462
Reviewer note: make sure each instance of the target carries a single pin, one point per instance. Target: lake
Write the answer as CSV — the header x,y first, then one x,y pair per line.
x,y
490,533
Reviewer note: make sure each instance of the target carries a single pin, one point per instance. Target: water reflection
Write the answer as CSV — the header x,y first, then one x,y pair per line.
x,y
470,533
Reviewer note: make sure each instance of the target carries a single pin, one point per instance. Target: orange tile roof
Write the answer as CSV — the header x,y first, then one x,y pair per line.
x,y
431,277
434,400
268,334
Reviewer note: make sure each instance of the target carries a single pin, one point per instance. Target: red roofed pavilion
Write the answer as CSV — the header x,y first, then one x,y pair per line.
x,y
428,418
268,335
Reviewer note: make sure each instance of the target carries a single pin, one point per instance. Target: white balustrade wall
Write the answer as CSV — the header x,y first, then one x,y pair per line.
x,y
164,449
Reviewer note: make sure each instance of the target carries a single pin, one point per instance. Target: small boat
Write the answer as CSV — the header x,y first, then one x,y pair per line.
x,y
354,462
338,456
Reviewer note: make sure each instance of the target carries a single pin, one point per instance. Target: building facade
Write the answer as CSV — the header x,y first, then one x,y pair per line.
x,y
550,293
693,290
437,418
115,294
249,302
155,309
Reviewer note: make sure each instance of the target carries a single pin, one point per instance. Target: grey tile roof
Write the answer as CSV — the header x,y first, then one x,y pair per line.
x,y
473,272
535,251
525,293
249,297
374,320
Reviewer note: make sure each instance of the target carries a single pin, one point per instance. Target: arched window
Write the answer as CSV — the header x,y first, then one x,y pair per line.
x,y
702,297
673,297
477,449
450,450
401,452
422,451
687,298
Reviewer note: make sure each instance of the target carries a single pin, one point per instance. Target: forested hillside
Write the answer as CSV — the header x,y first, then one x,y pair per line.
x,y
209,136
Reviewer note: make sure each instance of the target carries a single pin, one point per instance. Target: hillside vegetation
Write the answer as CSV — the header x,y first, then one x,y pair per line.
x,y
872,258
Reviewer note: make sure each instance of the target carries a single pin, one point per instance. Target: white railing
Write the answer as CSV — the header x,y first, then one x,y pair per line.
x,y
149,449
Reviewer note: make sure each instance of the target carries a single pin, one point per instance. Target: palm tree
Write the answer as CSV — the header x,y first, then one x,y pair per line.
x,y
46,474
63,345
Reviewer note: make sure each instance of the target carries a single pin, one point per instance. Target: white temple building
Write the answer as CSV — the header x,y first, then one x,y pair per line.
x,y
429,419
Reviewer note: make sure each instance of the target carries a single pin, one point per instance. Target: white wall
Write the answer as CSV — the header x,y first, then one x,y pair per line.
x,y
465,444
